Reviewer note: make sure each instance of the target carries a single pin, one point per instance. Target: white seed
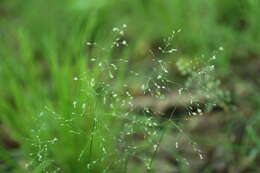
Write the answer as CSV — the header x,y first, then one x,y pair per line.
x,y
115,29
111,75
92,82
74,104
172,50
114,66
155,146
88,43
124,42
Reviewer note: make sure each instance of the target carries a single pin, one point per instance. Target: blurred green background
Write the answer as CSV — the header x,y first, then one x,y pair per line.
x,y
43,46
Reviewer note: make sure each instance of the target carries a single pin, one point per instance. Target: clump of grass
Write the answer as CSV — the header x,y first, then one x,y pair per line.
x,y
98,129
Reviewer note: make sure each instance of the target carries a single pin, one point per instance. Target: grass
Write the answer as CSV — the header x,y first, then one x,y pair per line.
x,y
43,50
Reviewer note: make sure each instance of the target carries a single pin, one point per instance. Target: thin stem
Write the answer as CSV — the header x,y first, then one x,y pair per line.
x,y
148,170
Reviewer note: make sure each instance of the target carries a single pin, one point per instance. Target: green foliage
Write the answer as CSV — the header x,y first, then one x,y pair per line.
x,y
43,48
